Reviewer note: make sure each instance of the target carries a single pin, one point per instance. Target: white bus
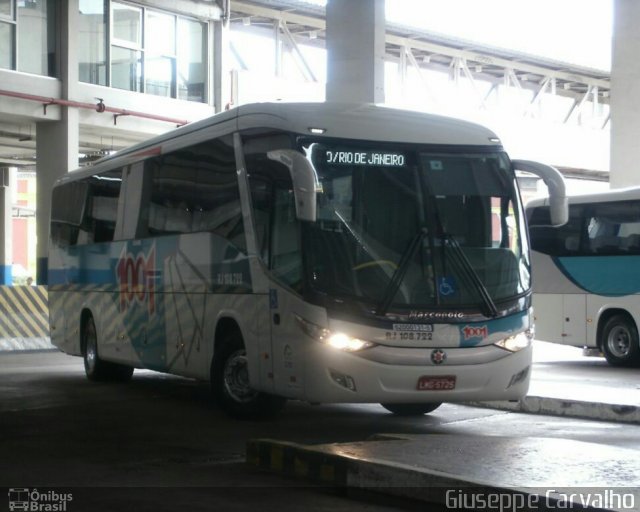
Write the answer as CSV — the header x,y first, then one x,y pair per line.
x,y
320,252
587,274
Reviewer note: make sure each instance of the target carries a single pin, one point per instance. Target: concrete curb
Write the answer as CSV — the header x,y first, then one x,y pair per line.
x,y
317,466
21,344
569,408
340,466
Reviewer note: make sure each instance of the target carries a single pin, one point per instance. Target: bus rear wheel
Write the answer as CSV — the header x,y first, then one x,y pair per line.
x,y
620,341
95,368
411,409
231,387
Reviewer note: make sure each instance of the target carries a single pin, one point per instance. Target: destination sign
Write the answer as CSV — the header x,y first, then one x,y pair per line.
x,y
369,158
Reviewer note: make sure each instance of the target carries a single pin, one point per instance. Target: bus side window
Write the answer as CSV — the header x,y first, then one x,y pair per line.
x,y
276,226
85,212
195,189
567,240
99,223
261,192
286,257
68,205
614,228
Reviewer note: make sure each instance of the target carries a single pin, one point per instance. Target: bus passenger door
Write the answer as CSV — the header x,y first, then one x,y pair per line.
x,y
287,342
574,322
277,269
548,314
284,301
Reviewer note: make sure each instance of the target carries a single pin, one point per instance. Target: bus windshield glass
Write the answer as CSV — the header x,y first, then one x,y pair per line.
x,y
407,226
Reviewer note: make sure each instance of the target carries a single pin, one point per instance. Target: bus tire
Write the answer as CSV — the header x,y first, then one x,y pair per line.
x,y
620,341
95,368
230,383
412,409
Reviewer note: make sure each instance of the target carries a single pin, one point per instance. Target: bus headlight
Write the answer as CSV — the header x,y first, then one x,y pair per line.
x,y
337,340
343,342
517,342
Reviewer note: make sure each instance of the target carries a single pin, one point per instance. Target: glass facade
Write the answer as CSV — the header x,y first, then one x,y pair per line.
x,y
135,48
6,9
92,39
160,34
127,24
27,36
7,31
126,69
160,54
120,45
36,37
192,60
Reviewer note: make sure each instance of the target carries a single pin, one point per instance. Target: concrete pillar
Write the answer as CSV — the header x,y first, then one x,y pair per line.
x,y
625,95
224,77
355,50
7,182
57,142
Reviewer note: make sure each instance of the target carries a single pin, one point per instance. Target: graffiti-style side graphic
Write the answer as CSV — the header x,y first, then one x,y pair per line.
x,y
136,275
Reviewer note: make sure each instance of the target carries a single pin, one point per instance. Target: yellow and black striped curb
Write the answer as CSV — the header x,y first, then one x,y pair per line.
x,y
298,461
429,478
320,466
24,312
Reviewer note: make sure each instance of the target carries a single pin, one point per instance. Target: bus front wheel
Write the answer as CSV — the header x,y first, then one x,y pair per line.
x,y
411,409
230,383
95,368
620,341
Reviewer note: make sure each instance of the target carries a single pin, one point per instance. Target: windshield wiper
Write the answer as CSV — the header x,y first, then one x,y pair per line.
x,y
397,277
459,258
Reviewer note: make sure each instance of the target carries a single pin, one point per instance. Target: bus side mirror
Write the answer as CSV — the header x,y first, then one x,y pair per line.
x,y
558,203
305,181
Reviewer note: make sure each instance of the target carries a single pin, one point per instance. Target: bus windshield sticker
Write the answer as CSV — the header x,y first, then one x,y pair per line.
x,y
447,286
436,165
413,327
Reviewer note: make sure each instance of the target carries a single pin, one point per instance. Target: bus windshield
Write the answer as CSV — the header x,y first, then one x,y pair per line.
x,y
408,226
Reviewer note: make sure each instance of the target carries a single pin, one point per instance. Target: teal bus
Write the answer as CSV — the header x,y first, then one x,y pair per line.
x,y
587,274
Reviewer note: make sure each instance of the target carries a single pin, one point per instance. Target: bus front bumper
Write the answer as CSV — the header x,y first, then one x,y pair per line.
x,y
333,376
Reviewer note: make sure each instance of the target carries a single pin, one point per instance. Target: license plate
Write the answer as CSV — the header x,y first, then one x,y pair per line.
x,y
443,383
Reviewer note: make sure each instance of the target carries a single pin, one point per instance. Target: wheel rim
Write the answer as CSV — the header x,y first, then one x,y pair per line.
x,y
236,378
619,341
91,353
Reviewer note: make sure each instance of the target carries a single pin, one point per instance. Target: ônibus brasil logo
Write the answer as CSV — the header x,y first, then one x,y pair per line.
x,y
136,276
38,501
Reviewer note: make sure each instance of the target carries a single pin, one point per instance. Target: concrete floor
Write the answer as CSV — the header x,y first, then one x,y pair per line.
x,y
158,443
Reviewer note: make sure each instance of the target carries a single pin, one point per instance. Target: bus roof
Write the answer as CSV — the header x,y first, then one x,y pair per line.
x,y
621,194
340,120
367,122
